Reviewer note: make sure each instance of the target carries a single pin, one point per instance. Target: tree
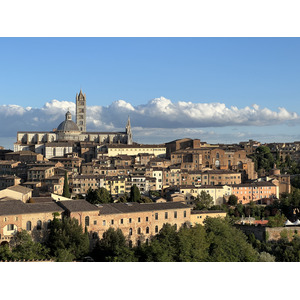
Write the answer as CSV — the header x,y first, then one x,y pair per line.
x,y
203,201
227,243
192,244
101,195
24,248
66,190
135,195
113,248
233,199
277,221
67,234
164,246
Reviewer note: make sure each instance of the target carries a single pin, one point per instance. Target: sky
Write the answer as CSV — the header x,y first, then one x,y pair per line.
x,y
221,90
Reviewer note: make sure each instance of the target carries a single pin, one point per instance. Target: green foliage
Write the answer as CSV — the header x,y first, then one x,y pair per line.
x,y
266,257
233,199
227,243
67,234
263,158
113,248
193,244
23,248
203,201
101,195
277,221
135,195
66,190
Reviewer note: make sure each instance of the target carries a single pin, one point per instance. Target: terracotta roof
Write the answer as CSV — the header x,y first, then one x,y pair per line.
x,y
77,205
20,189
119,208
16,207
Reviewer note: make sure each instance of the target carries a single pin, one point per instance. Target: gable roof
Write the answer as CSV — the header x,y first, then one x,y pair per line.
x,y
77,205
17,207
119,208
20,189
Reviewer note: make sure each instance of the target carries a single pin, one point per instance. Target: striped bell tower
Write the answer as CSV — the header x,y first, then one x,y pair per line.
x,y
81,111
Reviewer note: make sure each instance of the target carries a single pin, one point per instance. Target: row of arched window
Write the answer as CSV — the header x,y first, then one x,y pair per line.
x,y
139,231
38,225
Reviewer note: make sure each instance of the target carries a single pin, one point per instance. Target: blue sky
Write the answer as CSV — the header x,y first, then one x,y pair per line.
x,y
233,71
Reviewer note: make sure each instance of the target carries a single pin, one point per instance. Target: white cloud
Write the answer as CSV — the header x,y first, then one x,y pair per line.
x,y
159,118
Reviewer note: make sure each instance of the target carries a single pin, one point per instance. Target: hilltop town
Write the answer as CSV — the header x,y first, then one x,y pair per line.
x,y
107,181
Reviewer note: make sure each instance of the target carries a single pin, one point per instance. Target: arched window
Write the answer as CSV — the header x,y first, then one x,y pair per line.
x,y
218,155
130,244
48,224
217,164
39,225
139,230
130,231
28,226
147,229
207,164
87,221
156,229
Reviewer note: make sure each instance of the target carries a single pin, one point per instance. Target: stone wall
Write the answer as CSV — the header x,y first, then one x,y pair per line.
x,y
272,234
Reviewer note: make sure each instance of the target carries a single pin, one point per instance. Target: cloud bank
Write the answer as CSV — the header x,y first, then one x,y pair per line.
x,y
148,120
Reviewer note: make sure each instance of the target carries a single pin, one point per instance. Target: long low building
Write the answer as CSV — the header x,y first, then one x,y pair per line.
x,y
134,149
138,222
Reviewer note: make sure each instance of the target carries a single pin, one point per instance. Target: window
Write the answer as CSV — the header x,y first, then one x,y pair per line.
x,y
156,216
139,230
156,229
87,221
28,226
112,222
130,231
147,219
10,227
48,224
166,215
121,221
139,220
39,225
95,222
147,229
175,214
104,223
184,214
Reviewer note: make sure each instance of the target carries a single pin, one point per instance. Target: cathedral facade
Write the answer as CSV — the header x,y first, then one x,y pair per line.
x,y
69,135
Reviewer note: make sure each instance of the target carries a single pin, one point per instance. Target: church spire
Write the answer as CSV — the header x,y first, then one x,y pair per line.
x,y
128,131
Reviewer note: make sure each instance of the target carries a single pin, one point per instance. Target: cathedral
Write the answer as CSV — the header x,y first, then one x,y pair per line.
x,y
70,135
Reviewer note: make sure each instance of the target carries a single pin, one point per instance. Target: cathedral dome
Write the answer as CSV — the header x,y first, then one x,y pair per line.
x,y
68,124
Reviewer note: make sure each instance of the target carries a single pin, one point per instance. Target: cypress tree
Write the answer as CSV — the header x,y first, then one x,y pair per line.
x,y
66,192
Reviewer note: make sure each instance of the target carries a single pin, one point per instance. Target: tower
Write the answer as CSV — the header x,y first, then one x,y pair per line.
x,y
128,131
81,111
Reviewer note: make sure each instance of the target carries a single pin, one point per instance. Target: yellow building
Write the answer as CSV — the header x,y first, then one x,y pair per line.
x,y
198,216
218,193
133,150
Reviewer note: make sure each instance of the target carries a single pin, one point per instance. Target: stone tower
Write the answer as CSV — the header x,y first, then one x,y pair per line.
x,y
81,111
129,133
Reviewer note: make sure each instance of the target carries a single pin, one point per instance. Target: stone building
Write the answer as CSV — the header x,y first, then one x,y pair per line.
x,y
32,217
68,135
255,191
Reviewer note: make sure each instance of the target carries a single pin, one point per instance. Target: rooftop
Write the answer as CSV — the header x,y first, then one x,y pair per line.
x,y
119,208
